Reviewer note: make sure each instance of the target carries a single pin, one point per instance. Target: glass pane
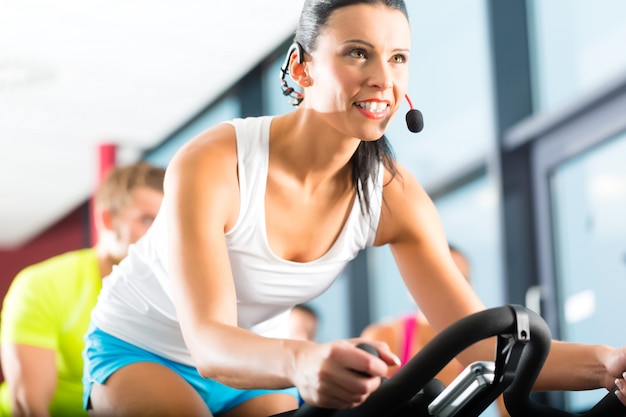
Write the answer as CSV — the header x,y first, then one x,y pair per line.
x,y
578,45
451,84
589,202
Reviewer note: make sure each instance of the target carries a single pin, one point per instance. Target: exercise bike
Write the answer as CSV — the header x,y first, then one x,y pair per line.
x,y
523,342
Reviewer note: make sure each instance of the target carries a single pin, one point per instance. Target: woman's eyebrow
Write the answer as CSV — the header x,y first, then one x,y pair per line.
x,y
370,45
360,41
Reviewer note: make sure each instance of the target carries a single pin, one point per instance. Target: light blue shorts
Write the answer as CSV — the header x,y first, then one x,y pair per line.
x,y
105,354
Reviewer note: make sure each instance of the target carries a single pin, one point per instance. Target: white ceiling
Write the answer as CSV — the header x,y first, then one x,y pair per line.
x,y
78,73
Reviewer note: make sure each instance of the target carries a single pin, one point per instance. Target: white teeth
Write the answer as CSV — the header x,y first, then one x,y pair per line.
x,y
373,106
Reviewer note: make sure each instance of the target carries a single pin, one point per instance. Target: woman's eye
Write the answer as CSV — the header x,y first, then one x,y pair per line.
x,y
399,59
357,53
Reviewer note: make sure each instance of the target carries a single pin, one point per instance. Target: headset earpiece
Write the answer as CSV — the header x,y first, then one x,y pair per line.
x,y
296,96
299,51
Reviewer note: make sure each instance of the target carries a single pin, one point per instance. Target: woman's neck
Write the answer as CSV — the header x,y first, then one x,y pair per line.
x,y
312,153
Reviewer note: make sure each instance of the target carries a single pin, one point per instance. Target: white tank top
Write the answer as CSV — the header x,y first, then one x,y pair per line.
x,y
135,303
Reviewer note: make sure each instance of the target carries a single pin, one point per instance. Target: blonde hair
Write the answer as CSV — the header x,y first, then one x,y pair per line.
x,y
115,191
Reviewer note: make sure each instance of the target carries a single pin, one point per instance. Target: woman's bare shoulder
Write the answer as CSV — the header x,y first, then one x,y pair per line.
x,y
405,208
401,183
215,143
211,152
204,171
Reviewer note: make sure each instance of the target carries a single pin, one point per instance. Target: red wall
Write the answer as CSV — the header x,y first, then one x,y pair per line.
x,y
72,232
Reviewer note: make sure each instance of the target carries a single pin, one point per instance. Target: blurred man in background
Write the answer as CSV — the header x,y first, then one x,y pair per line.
x,y
47,309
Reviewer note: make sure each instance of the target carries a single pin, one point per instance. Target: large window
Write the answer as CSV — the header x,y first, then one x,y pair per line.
x,y
579,182
578,45
589,202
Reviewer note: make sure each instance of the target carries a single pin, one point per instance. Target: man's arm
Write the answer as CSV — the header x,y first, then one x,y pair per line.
x,y
31,375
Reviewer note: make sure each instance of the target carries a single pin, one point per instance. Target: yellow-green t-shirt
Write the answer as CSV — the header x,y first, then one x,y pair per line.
x,y
48,305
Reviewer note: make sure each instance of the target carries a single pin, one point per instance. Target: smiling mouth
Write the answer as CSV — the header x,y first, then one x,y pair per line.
x,y
372,106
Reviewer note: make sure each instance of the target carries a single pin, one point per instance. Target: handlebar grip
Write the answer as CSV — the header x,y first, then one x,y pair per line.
x,y
308,410
369,349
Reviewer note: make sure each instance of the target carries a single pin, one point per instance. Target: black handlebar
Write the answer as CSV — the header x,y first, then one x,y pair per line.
x,y
523,344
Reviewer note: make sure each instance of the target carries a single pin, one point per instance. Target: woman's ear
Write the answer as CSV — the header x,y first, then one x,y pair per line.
x,y
298,67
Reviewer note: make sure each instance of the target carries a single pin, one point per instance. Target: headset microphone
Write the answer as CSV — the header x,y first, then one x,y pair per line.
x,y
414,118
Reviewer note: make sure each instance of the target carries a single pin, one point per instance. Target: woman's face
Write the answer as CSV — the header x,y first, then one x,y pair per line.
x,y
359,70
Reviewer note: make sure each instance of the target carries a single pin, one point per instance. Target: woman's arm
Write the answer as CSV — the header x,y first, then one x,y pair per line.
x,y
575,366
202,203
411,226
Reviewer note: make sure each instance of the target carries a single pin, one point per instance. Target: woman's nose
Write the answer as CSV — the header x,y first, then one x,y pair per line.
x,y
380,76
